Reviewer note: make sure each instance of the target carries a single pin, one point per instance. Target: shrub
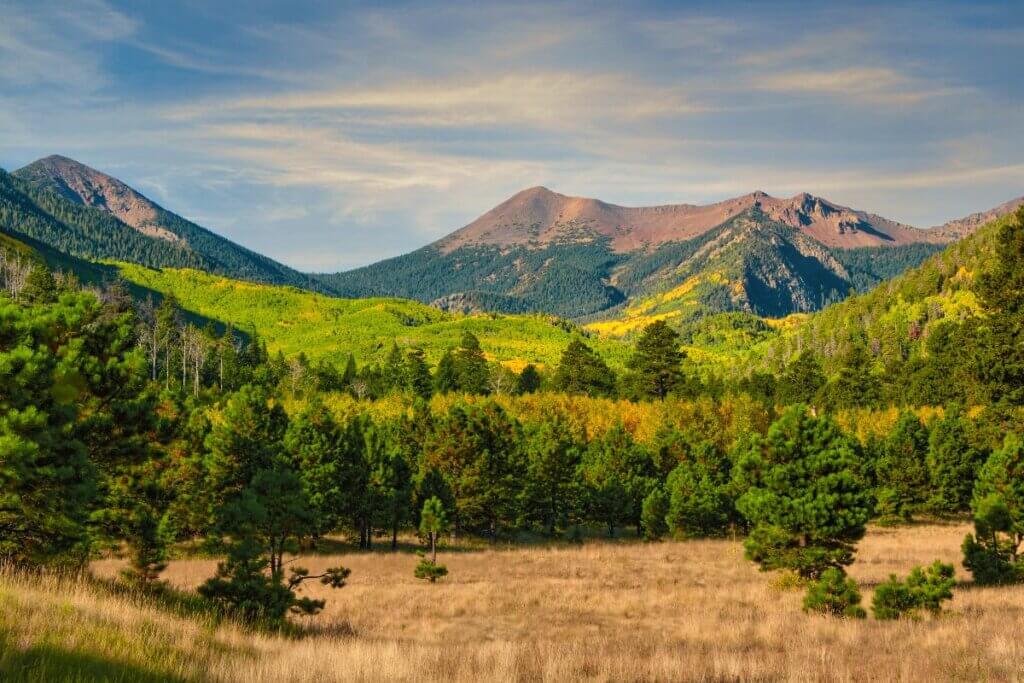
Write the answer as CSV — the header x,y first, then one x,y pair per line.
x,y
430,571
835,595
653,516
924,589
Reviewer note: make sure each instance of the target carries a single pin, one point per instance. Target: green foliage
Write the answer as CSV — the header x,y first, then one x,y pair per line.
x,y
924,589
656,363
804,495
430,571
652,516
433,523
801,380
293,321
477,451
552,494
835,595
993,552
901,470
581,371
617,474
953,463
529,381
700,493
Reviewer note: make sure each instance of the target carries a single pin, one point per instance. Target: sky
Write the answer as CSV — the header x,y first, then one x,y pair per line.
x,y
329,135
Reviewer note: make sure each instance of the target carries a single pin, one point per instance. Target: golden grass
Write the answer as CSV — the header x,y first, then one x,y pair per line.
x,y
602,612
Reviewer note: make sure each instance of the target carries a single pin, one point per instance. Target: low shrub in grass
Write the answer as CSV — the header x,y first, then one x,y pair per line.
x,y
834,594
924,589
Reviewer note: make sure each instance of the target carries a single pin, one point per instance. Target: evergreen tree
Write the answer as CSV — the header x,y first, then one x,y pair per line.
x,y
902,469
476,448
348,375
1001,289
417,374
316,446
656,363
804,495
552,492
952,463
40,287
446,378
655,509
581,371
247,439
835,595
699,497
473,376
433,522
618,474
528,381
393,373
993,553
801,380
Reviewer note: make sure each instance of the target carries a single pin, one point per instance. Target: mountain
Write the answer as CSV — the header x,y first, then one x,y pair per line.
x,y
954,230
79,210
586,259
537,217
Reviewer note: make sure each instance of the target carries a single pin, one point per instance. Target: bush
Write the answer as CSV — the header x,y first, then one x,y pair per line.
x,y
835,595
430,571
924,589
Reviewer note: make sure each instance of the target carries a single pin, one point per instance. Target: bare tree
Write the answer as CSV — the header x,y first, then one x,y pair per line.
x,y
14,269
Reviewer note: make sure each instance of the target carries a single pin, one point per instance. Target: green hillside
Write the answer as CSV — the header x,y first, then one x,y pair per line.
x,y
294,320
895,319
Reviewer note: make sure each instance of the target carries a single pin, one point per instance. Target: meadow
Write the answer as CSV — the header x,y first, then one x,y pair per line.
x,y
603,611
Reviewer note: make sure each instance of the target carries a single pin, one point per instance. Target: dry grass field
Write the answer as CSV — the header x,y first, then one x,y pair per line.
x,y
603,612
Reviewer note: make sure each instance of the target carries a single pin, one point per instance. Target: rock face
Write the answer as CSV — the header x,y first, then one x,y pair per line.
x,y
83,185
537,217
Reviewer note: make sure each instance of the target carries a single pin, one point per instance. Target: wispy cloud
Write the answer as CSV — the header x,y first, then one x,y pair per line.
x,y
52,43
871,85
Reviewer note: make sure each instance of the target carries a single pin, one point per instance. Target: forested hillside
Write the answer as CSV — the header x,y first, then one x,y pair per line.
x,y
750,263
33,205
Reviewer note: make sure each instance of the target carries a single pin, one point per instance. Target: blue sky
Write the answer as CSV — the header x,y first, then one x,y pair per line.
x,y
329,135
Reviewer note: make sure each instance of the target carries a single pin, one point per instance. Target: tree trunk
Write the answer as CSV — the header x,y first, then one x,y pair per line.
x,y
394,536
433,547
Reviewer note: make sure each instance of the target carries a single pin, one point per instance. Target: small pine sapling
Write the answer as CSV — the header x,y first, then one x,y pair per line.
x,y
924,589
834,594
433,522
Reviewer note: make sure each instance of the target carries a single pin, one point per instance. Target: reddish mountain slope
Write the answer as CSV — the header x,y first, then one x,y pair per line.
x,y
539,217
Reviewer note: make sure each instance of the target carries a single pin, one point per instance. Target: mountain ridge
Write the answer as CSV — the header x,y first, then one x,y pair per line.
x,y
537,216
68,190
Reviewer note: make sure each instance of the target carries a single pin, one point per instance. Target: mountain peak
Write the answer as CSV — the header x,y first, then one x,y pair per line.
x,y
537,216
82,184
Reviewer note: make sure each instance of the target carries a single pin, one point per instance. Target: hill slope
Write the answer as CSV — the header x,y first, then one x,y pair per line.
x,y
292,321
895,319
582,258
77,209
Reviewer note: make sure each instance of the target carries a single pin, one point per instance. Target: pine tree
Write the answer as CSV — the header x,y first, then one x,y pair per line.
x,y
581,371
40,287
618,474
801,380
393,371
529,380
417,374
993,553
805,495
953,463
552,492
471,371
446,378
656,363
902,469
433,522
655,509
700,501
